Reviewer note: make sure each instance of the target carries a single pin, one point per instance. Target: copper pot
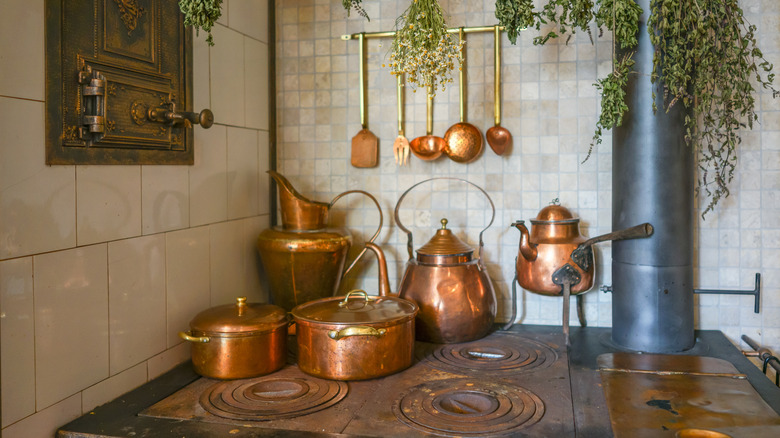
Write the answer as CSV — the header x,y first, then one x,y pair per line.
x,y
237,341
356,337
452,287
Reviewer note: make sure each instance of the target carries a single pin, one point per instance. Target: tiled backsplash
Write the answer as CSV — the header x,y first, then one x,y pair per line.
x,y
102,266
550,105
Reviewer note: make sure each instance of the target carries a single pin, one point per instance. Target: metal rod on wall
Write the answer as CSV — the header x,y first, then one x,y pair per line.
x,y
391,33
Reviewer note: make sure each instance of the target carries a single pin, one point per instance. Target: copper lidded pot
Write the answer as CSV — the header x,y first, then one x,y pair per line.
x,y
452,288
305,257
238,341
356,337
554,235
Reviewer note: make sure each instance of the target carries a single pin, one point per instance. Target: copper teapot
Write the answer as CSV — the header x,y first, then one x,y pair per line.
x,y
554,242
305,258
450,286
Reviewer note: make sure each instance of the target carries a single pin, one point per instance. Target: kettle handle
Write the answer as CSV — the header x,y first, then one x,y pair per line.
x,y
409,239
376,234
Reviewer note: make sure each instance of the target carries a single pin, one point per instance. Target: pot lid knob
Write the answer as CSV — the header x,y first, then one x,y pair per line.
x,y
444,242
554,212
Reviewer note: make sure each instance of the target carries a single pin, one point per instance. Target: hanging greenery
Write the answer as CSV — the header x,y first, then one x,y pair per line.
x,y
201,14
706,53
516,15
355,4
422,49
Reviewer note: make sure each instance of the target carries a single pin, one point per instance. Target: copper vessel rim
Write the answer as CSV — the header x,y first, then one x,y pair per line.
x,y
243,334
555,222
377,322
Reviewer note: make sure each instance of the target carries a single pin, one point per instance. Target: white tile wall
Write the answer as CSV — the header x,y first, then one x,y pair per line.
x,y
550,106
101,266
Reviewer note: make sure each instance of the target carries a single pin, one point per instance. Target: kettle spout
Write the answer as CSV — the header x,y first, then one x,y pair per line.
x,y
527,249
384,282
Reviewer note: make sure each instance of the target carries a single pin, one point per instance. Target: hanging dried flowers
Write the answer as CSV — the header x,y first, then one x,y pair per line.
x,y
201,14
422,48
356,4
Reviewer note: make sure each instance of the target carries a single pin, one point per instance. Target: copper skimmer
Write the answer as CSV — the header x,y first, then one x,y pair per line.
x,y
365,145
401,144
498,137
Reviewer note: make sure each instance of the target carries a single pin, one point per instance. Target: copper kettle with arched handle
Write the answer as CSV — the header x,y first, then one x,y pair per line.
x,y
450,286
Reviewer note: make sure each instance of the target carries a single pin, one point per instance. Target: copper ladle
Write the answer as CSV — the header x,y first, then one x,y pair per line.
x,y
498,137
463,141
428,147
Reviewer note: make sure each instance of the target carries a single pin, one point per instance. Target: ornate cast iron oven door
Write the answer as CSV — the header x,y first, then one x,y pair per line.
x,y
118,84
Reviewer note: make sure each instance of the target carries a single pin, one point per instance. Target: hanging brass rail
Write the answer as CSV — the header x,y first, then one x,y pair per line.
x,y
391,33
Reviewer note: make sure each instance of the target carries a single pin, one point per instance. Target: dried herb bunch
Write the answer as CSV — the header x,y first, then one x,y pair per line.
x,y
707,55
516,15
568,16
422,49
356,4
201,14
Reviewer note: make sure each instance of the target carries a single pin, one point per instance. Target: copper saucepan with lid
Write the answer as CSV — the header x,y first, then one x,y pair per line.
x,y
356,337
237,341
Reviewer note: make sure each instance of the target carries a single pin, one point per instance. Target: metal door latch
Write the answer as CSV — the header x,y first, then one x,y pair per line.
x,y
93,100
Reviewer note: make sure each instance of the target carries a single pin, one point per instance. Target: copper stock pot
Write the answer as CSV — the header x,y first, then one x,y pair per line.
x,y
452,287
356,337
237,341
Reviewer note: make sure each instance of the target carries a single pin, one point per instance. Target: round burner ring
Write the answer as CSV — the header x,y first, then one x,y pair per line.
x,y
498,354
467,407
269,398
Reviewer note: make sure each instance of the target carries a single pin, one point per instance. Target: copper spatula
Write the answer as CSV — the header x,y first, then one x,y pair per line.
x,y
365,145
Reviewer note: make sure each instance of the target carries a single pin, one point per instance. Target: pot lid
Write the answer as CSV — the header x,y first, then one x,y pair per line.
x,y
356,308
241,317
444,243
555,212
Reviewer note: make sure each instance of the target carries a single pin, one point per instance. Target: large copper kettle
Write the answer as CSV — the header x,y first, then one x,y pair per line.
x,y
452,288
305,258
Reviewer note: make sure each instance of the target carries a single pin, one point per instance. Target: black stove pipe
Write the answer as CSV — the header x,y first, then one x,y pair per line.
x,y
652,181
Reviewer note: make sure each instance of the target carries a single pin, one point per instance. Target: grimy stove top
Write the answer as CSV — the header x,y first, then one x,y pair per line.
x,y
519,383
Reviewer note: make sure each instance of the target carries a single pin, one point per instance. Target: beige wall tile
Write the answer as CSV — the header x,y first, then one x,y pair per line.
x,y
208,177
242,173
264,164
187,279
113,387
71,322
136,298
250,17
165,361
227,77
256,286
37,202
227,250
108,203
201,90
18,331
257,68
165,200
22,63
45,423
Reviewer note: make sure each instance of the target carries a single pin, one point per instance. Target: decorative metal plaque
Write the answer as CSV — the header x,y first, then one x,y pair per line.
x,y
118,83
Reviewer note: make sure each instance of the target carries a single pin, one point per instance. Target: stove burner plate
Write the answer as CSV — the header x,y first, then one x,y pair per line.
x,y
271,398
499,353
468,407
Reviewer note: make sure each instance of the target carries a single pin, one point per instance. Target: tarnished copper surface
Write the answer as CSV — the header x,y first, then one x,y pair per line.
x,y
468,407
500,353
463,141
237,341
304,257
498,137
682,396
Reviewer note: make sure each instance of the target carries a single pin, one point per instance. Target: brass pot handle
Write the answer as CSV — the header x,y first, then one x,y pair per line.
x,y
410,244
358,330
198,339
378,229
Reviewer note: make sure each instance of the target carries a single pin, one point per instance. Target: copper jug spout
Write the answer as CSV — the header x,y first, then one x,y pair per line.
x,y
298,212
384,281
527,249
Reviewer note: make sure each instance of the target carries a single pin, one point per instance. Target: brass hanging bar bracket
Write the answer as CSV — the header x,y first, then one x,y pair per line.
x,y
391,33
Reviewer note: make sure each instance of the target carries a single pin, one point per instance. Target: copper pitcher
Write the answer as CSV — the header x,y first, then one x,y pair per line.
x,y
452,288
304,258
